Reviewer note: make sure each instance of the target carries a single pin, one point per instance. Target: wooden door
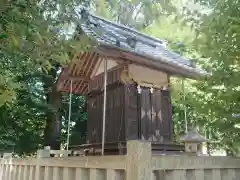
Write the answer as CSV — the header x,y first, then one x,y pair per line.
x,y
131,113
155,117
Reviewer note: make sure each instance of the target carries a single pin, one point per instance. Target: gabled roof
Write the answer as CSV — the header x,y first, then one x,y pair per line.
x,y
121,43
117,36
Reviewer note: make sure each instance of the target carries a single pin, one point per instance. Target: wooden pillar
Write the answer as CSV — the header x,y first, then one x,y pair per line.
x,y
39,172
6,167
139,156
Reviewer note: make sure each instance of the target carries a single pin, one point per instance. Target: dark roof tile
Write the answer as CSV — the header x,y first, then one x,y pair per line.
x,y
106,32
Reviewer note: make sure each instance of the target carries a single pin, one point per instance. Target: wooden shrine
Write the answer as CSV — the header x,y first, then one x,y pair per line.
x,y
138,100
133,112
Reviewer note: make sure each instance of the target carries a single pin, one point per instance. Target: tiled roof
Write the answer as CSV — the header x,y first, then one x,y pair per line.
x,y
193,136
119,36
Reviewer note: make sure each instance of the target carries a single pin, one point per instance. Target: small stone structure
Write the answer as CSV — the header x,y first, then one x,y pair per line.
x,y
193,141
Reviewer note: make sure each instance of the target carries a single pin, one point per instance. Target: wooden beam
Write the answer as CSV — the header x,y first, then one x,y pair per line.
x,y
98,63
79,63
93,62
150,62
72,62
76,78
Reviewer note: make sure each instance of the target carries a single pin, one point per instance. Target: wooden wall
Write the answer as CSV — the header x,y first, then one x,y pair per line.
x,y
115,112
113,76
129,115
149,115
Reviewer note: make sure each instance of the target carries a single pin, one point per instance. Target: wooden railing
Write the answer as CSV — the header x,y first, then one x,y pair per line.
x,y
138,164
195,168
85,168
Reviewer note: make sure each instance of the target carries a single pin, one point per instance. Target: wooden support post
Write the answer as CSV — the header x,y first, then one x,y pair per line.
x,y
56,173
31,173
198,174
20,172
94,173
47,171
104,106
7,156
82,173
139,156
25,172
42,153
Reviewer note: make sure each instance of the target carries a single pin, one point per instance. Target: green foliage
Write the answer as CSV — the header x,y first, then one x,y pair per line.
x,y
219,39
133,13
21,123
78,125
211,103
34,42
210,36
34,32
180,38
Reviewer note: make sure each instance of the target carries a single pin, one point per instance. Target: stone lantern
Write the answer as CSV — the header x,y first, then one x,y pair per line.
x,y
193,140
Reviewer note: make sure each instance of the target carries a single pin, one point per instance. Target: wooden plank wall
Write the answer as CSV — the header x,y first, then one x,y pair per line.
x,y
129,115
166,109
149,114
113,75
115,111
115,124
132,113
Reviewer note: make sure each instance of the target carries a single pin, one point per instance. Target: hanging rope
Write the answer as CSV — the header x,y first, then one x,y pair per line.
x,y
69,114
104,105
185,107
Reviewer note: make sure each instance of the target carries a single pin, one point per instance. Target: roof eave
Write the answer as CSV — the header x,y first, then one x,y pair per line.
x,y
169,67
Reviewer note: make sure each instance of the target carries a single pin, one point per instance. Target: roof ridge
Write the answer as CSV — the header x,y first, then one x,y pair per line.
x,y
154,39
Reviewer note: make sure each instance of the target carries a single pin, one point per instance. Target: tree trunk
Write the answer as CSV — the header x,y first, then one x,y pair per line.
x,y
52,131
52,134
